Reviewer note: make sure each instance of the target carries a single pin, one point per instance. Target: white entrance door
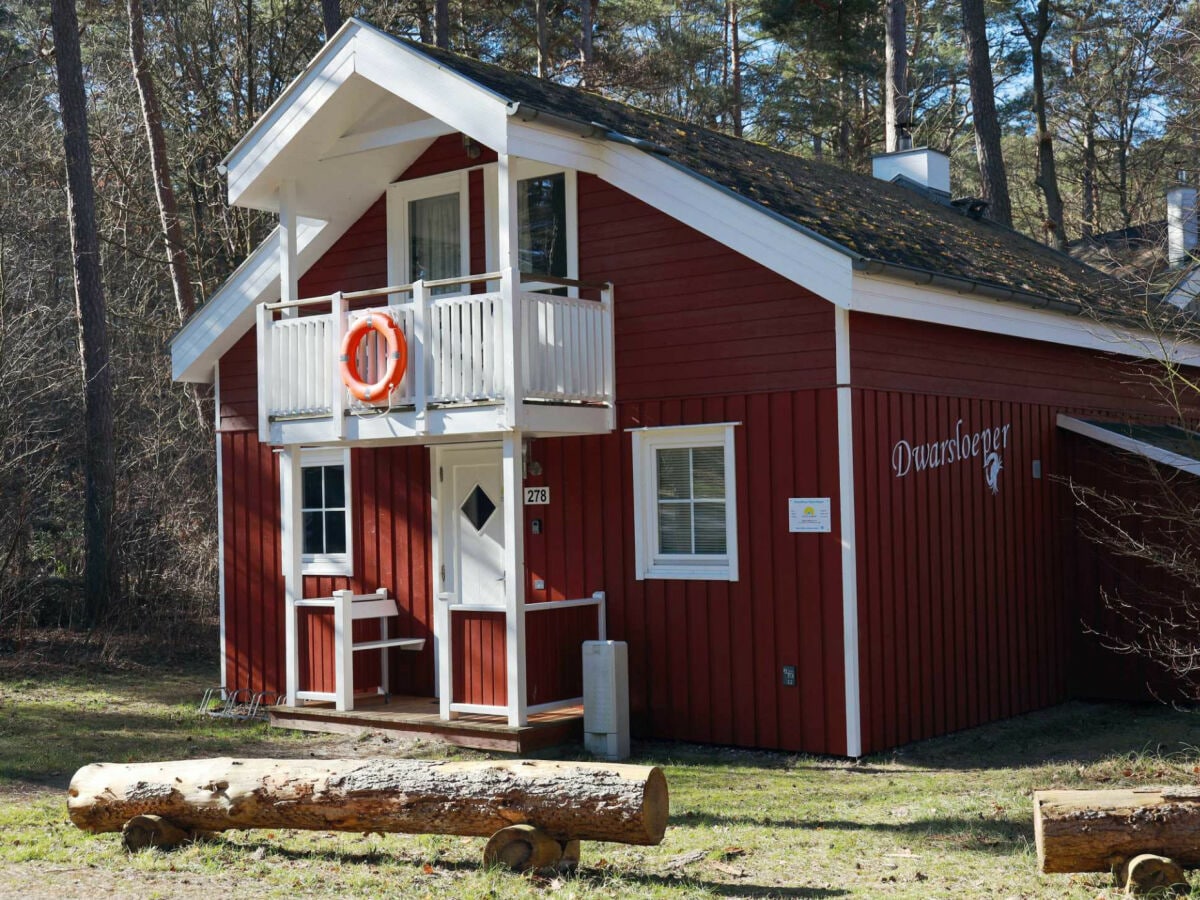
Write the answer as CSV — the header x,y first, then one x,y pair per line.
x,y
471,506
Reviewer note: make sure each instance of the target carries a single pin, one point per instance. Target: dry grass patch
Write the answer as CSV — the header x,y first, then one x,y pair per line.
x,y
945,818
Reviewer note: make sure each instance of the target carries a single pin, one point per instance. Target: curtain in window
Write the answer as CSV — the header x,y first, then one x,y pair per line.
x,y
434,242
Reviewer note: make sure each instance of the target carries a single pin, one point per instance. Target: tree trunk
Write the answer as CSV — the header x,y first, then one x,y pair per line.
x,y
896,75
168,211
99,569
566,800
1091,180
543,38
992,174
735,68
441,23
331,15
1047,173
1097,831
587,19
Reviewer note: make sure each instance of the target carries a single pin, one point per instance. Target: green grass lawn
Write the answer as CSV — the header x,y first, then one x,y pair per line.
x,y
945,818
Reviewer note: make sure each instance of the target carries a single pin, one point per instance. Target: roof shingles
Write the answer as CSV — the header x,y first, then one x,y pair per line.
x,y
870,219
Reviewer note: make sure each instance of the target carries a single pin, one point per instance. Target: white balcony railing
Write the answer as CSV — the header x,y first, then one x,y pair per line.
x,y
460,349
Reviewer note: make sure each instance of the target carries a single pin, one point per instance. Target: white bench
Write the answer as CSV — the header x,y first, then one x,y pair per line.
x,y
348,608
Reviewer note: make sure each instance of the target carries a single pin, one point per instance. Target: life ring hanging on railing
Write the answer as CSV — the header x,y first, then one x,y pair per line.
x,y
397,357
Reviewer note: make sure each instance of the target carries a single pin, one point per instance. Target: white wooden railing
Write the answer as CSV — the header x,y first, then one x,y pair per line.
x,y
348,608
502,346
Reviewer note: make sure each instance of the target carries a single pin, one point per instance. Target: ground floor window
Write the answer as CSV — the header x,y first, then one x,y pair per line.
x,y
325,512
685,501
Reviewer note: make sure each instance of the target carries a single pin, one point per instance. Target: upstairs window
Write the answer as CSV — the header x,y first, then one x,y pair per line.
x,y
325,512
685,500
428,234
542,220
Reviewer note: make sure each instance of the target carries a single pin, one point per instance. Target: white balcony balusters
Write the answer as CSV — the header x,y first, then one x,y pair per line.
x,y
460,351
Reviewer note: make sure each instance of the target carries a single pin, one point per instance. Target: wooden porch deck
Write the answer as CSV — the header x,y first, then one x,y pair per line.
x,y
418,716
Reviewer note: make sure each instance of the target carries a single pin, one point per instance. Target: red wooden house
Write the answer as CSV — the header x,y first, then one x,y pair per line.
x,y
787,431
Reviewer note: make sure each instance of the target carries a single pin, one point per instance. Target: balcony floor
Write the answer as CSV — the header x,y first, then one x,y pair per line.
x,y
463,422
418,716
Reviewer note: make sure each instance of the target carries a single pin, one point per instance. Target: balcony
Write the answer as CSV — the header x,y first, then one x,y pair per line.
x,y
511,358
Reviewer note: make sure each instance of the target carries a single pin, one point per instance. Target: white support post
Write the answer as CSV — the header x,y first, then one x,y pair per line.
x,y
846,506
514,357
289,272
418,365
265,375
609,352
601,615
508,261
385,676
337,391
293,577
343,649
508,234
514,578
443,652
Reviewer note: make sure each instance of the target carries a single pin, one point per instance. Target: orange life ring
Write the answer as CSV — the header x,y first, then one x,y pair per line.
x,y
397,357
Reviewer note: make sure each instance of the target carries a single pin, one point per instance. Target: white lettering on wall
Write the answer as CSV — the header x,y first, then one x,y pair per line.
x,y
987,444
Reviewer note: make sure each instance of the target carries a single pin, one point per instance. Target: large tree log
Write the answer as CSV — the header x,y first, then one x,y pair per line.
x,y
566,800
1098,831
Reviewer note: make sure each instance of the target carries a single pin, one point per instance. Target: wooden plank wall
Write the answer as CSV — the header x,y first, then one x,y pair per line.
x,y
1105,580
703,335
706,657
968,610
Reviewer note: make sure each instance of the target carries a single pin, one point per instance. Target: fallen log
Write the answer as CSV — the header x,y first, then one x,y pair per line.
x,y
1099,831
567,801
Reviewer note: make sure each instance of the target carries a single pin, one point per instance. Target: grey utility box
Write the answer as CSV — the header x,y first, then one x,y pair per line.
x,y
606,699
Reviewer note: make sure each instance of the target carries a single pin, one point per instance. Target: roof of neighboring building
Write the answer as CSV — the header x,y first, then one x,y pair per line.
x,y
870,219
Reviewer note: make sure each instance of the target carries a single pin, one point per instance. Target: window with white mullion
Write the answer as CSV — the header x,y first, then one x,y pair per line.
x,y
325,537
684,491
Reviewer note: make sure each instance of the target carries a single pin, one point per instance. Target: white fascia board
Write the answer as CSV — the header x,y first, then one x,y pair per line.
x,y
229,313
731,220
902,300
288,114
444,94
1129,444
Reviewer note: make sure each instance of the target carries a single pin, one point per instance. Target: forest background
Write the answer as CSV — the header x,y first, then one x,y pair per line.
x,y
1096,109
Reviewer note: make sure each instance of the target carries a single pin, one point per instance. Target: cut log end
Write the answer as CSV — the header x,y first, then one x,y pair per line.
x,y
523,848
142,832
1150,873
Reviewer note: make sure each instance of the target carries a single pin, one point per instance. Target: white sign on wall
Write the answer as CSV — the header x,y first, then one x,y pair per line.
x,y
537,496
809,515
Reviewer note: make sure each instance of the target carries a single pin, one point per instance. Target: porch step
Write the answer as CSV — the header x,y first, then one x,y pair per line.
x,y
419,716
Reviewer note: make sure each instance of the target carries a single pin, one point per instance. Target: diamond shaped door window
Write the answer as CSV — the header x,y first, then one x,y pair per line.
x,y
478,508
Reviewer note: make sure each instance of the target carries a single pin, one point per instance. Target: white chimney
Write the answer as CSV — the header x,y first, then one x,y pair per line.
x,y
1181,221
928,168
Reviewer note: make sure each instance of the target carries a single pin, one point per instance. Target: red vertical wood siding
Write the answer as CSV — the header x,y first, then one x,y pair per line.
x,y
1104,579
706,657
553,638
478,661
968,608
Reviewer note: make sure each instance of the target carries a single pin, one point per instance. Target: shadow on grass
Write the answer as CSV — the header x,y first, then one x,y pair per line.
x,y
583,877
981,835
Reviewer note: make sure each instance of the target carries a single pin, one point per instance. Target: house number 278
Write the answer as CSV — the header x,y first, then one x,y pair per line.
x,y
537,496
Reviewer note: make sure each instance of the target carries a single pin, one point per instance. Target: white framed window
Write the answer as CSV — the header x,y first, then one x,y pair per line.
x,y
685,502
547,219
428,223
326,536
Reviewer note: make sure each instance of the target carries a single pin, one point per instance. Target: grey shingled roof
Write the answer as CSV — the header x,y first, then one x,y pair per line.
x,y
869,219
